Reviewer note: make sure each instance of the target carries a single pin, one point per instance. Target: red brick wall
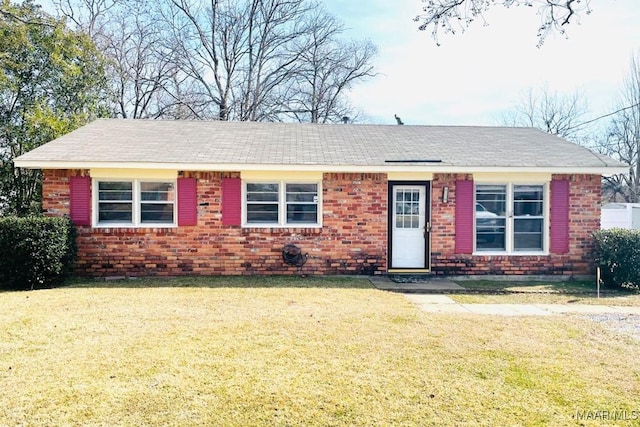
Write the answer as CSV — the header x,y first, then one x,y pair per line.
x,y
351,243
55,190
584,220
353,239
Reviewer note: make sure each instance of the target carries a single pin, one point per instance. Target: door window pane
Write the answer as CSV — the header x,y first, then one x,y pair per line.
x,y
407,208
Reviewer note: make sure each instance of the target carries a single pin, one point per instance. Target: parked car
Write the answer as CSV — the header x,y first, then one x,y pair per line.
x,y
486,221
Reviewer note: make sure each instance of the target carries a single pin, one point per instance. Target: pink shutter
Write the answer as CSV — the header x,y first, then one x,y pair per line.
x,y
80,200
559,243
464,217
187,202
231,201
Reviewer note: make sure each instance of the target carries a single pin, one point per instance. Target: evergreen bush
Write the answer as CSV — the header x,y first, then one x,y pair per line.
x,y
618,256
37,251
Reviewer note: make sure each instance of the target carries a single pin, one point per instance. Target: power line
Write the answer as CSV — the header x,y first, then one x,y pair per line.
x,y
604,116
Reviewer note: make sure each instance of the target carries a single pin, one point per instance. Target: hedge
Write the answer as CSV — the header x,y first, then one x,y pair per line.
x,y
618,256
37,252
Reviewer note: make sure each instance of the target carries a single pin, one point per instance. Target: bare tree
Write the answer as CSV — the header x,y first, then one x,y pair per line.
x,y
141,66
205,40
143,70
328,68
453,15
223,59
550,112
87,15
239,53
272,55
623,139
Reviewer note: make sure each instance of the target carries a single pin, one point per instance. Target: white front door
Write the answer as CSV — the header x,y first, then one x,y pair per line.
x,y
409,231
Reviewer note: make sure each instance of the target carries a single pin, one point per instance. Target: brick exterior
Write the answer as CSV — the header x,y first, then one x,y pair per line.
x,y
352,240
339,247
584,219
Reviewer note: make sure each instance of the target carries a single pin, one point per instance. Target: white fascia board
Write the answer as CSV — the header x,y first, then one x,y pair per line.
x,y
434,168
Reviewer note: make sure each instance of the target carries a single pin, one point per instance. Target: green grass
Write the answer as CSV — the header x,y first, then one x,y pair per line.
x,y
291,351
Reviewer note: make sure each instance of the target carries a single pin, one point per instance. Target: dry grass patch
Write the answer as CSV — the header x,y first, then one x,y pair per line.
x,y
628,300
542,293
337,353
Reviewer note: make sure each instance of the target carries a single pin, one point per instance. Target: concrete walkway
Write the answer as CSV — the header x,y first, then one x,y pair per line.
x,y
444,304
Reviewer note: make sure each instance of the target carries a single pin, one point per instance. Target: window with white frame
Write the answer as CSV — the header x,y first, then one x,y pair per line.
x,y
510,218
281,203
135,203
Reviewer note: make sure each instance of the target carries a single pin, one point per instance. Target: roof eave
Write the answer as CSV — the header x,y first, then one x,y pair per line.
x,y
434,168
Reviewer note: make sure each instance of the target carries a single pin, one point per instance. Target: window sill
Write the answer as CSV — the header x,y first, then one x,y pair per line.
x,y
124,225
511,254
280,226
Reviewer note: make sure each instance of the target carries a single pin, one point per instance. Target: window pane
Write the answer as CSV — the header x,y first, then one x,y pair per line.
x,y
115,191
116,185
156,191
302,197
262,197
300,213
490,234
528,234
262,213
156,213
528,200
302,202
263,188
302,193
115,212
302,188
492,199
262,192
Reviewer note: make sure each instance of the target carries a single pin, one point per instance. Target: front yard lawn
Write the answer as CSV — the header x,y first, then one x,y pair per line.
x,y
272,351
514,292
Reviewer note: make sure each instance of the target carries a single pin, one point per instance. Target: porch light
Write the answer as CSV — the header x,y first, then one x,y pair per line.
x,y
445,194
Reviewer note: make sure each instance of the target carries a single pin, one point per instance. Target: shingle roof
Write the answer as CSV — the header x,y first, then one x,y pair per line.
x,y
218,145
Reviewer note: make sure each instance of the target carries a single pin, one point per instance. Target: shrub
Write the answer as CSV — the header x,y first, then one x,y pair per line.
x,y
36,252
618,256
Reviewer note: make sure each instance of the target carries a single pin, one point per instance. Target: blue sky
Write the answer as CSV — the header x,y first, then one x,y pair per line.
x,y
475,77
